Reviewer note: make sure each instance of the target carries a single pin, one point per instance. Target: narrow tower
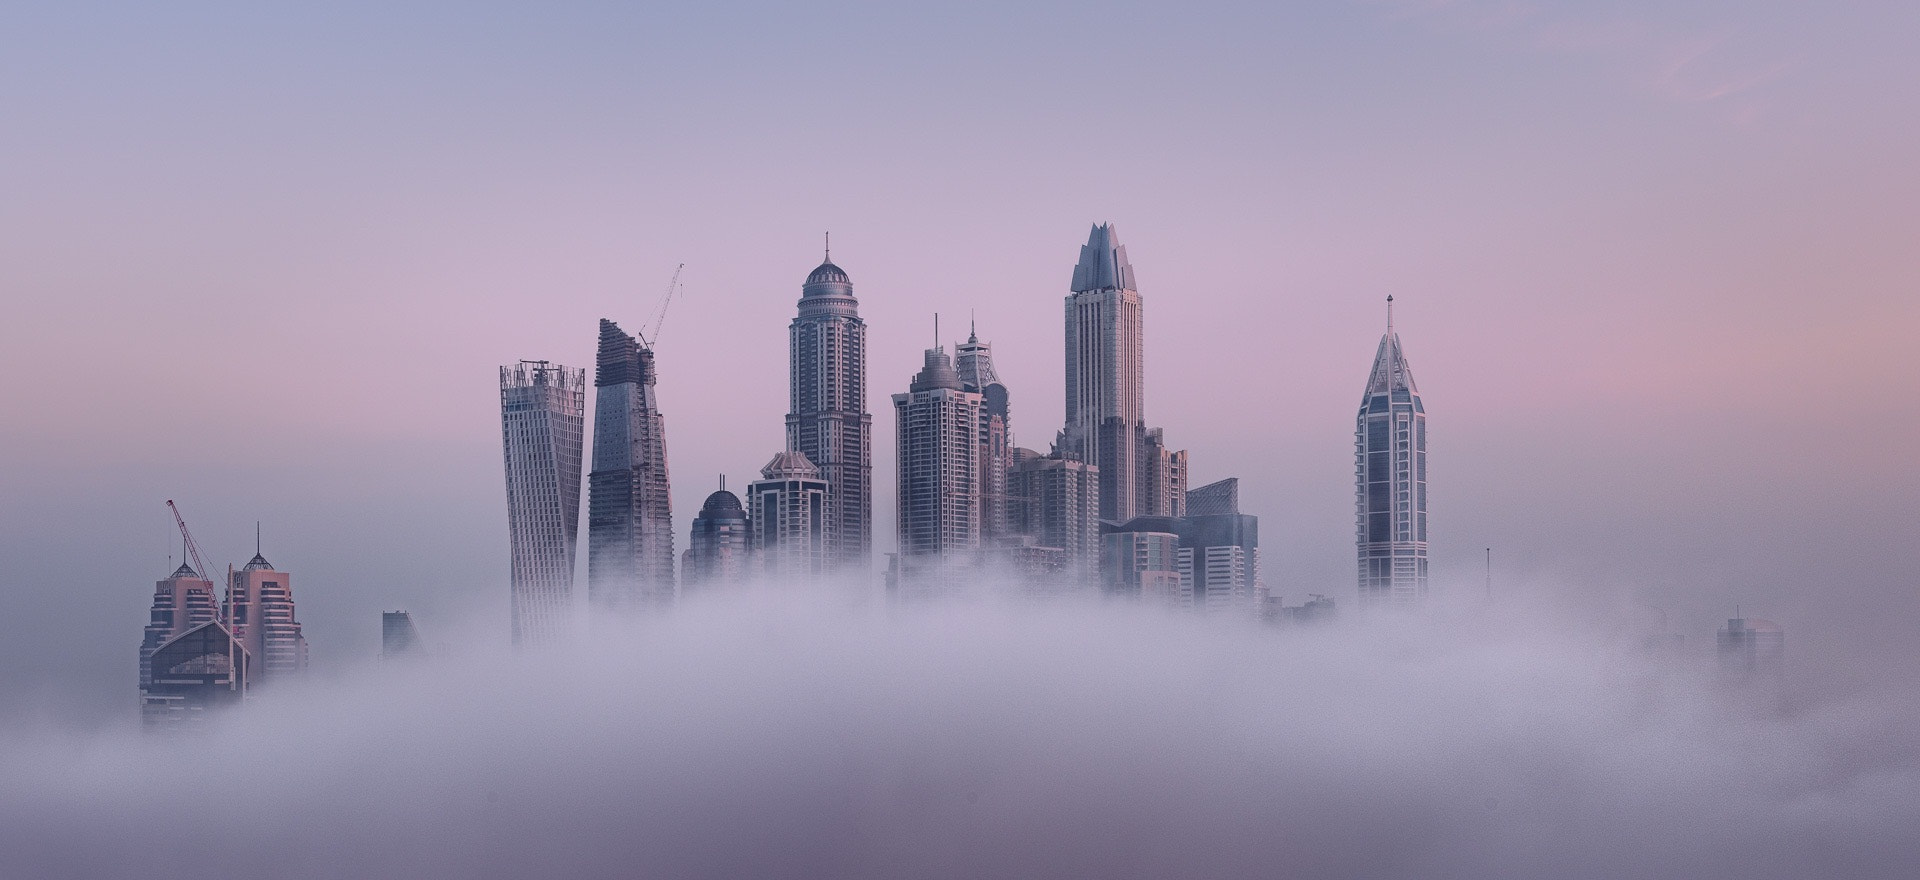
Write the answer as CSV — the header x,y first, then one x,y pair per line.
x,y
259,612
939,460
973,360
717,555
629,518
827,419
542,419
1390,492
1106,377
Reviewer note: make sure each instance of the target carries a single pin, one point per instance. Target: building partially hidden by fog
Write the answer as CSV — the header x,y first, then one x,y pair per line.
x,y
1106,388
542,419
1390,476
629,513
1751,648
1207,561
193,673
1055,502
827,418
260,613
938,448
398,636
788,519
182,601
718,546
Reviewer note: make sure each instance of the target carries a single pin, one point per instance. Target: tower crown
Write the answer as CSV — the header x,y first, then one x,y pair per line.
x,y
1103,263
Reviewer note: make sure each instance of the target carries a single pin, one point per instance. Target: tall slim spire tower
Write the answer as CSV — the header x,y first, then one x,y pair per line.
x,y
1390,492
629,518
827,418
1106,375
973,360
542,419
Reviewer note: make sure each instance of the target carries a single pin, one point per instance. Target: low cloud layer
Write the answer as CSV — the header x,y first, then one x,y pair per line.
x,y
763,737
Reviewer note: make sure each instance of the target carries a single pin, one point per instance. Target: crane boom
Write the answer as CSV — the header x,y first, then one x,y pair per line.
x,y
193,550
660,317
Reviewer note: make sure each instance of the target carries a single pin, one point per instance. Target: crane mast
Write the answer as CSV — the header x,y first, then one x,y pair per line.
x,y
660,317
235,675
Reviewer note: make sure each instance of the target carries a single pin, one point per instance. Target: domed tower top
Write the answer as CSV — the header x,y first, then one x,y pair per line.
x,y
828,290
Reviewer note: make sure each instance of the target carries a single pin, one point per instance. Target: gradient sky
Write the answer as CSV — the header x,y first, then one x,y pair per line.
x,y
1654,268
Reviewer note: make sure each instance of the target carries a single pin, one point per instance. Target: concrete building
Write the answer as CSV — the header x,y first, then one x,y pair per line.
x,y
629,510
542,420
827,418
1056,502
1106,388
719,543
788,514
1390,481
1750,648
182,601
1141,562
259,612
939,470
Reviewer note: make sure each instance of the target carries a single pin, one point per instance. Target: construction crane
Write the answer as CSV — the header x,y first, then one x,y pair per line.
x,y
236,674
660,317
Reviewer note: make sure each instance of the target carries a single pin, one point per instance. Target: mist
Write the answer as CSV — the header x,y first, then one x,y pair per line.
x,y
783,733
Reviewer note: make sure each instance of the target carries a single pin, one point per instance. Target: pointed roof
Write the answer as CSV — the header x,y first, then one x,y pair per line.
x,y
1390,368
790,465
184,571
258,563
1103,263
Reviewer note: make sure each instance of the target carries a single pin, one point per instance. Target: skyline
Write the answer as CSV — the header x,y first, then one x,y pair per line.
x,y
264,214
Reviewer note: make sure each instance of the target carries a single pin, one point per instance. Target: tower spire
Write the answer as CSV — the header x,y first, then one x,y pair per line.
x,y
829,236
973,328
1389,314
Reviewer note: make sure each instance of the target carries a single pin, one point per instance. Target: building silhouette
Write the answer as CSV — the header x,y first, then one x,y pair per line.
x,y
629,512
1390,476
182,601
827,418
1751,648
938,423
542,419
787,522
259,612
718,546
398,637
1106,388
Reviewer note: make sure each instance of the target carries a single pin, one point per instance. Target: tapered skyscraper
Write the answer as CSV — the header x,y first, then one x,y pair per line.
x,y
973,360
1106,375
1390,467
827,419
542,417
629,518
1106,388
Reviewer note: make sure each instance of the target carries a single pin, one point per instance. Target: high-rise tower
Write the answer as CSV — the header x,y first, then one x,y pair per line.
x,y
718,552
181,602
788,520
939,459
1106,376
973,360
259,612
542,417
827,418
629,516
1390,475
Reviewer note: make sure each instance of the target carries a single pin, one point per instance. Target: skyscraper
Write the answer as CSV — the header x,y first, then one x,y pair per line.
x,y
193,673
1106,388
973,360
939,467
717,554
399,638
629,515
788,520
1214,558
542,417
1390,476
181,602
827,419
259,611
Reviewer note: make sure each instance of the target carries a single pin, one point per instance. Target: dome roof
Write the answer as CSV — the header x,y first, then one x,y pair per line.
x,y
828,273
258,563
722,503
184,571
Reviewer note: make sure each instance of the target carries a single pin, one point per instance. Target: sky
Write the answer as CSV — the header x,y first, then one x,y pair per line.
x,y
1652,264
